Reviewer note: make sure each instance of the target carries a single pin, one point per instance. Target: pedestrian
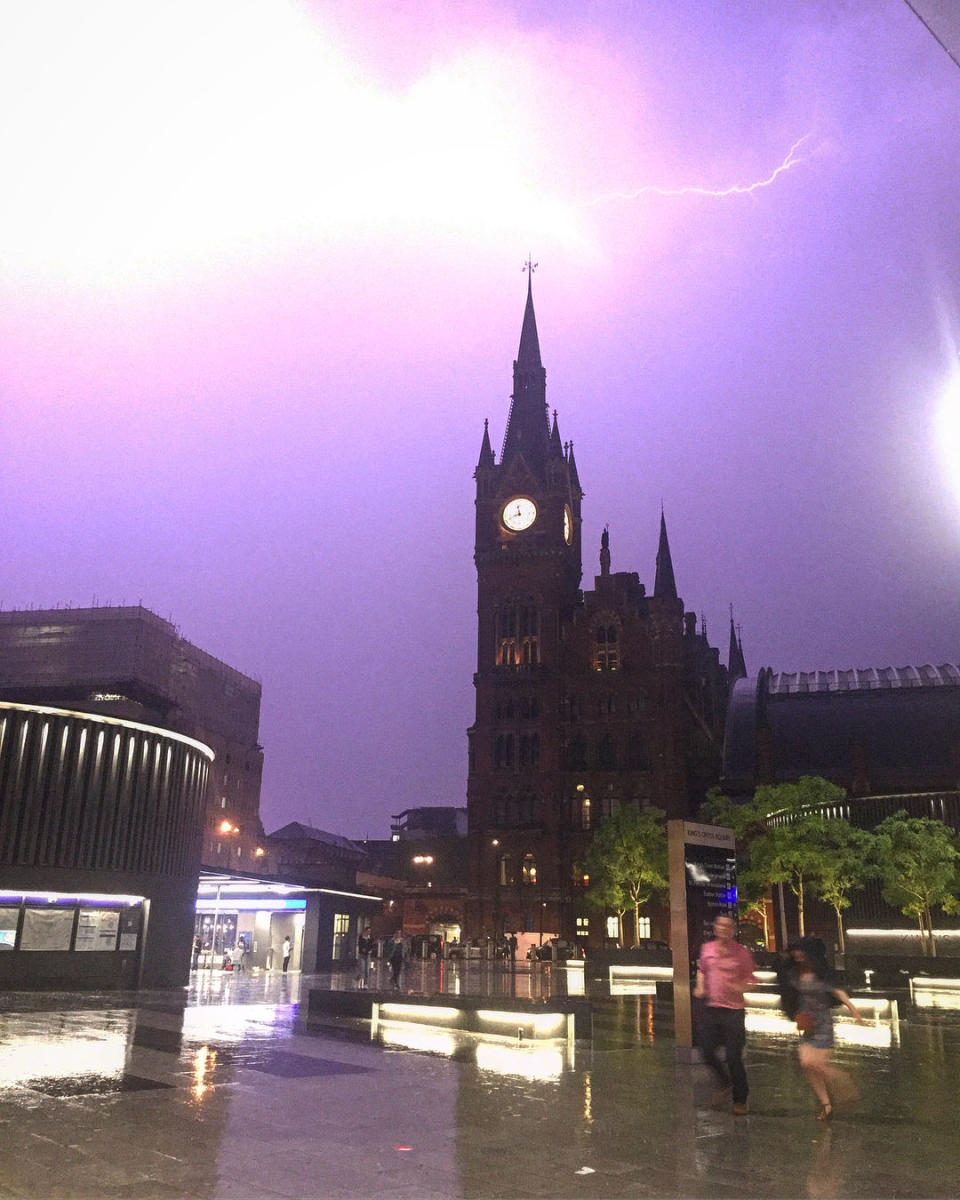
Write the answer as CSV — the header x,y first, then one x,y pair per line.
x,y
239,954
809,993
396,952
286,951
197,947
512,948
724,973
364,951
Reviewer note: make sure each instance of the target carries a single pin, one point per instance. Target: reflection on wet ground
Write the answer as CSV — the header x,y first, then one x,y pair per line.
x,y
224,1090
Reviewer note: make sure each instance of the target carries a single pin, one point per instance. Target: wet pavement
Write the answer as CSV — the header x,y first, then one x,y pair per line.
x,y
224,1090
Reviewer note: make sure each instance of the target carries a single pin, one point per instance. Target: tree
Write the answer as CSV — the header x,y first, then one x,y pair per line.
x,y
917,859
782,838
627,862
845,861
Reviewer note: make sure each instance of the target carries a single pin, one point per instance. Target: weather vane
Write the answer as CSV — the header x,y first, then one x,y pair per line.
x,y
529,266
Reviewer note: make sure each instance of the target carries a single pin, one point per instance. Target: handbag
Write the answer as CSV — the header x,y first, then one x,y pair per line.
x,y
805,1022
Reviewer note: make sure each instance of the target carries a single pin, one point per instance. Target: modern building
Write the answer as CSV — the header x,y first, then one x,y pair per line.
x,y
100,827
322,923
127,662
889,736
128,757
585,700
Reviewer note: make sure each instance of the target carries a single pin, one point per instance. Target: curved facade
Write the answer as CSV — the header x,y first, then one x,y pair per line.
x,y
889,736
96,806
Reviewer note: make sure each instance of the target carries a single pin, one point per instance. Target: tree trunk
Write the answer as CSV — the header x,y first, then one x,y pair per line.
x,y
932,936
620,928
799,891
783,920
837,910
924,949
636,926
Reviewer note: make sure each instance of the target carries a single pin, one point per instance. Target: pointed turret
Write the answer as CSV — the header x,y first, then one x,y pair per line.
x,y
664,585
572,464
556,446
528,431
737,668
486,450
605,551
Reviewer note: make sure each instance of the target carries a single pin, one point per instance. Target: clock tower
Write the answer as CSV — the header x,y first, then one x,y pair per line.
x,y
585,701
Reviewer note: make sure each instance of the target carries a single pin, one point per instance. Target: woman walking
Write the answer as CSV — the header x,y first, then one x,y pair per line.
x,y
809,994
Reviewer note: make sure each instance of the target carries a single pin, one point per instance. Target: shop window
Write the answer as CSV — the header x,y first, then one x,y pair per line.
x,y
9,920
341,928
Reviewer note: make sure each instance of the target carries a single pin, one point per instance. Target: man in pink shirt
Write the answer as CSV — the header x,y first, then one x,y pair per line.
x,y
724,973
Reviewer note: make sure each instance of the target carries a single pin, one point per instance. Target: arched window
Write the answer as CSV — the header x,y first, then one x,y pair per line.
x,y
518,633
528,869
506,870
606,655
606,754
529,749
503,750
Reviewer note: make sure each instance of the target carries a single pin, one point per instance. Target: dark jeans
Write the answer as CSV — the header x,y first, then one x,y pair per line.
x,y
725,1027
396,965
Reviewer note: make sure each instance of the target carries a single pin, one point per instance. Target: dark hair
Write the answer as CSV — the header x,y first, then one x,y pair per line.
x,y
814,951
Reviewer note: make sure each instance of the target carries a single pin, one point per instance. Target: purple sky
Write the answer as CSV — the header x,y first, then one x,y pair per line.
x,y
260,284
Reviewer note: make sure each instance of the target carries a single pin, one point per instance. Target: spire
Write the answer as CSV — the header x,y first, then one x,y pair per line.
x,y
605,551
556,446
736,667
528,356
527,429
486,450
664,584
572,464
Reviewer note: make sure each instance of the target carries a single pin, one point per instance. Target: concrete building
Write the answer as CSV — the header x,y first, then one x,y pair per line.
x,y
129,663
585,700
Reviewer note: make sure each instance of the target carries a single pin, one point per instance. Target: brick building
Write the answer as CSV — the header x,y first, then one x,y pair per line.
x,y
585,701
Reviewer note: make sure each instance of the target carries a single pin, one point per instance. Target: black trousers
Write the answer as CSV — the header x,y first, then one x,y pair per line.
x,y
725,1027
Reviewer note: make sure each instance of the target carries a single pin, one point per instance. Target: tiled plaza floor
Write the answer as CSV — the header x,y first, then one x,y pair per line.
x,y
223,1091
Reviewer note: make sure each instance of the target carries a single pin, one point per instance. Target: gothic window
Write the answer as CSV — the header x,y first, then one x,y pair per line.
x,y
580,879
503,750
577,754
575,707
529,707
518,634
606,752
606,653
528,869
606,706
636,753
503,709
506,870
637,704
529,749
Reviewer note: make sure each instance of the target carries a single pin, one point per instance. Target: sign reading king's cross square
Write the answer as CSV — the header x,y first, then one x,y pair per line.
x,y
703,886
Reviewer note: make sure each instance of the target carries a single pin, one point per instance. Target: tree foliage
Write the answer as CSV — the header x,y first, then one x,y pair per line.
x,y
918,859
627,862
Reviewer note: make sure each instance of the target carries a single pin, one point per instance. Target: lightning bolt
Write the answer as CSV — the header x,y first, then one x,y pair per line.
x,y
792,159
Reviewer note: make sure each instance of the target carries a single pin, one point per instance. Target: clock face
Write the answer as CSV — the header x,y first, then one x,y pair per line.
x,y
567,525
519,513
